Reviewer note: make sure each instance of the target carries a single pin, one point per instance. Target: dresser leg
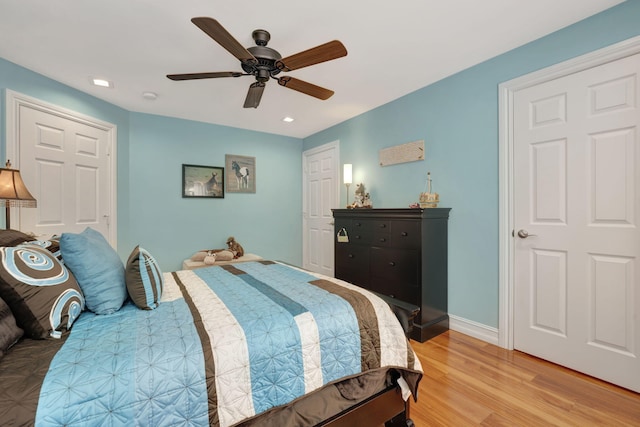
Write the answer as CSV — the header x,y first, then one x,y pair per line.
x,y
426,331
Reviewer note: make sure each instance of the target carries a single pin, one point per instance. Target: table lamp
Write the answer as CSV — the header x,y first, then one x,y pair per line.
x,y
13,192
347,177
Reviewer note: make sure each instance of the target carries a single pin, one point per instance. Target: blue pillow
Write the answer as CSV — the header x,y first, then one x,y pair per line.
x,y
97,268
144,279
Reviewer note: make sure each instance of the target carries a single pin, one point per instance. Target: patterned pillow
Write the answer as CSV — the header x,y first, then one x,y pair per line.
x,y
52,245
9,331
13,237
98,269
42,294
144,279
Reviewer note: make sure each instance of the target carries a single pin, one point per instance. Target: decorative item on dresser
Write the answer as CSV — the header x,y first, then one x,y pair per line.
x,y
401,253
361,199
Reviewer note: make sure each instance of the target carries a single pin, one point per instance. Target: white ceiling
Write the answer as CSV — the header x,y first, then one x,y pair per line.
x,y
395,47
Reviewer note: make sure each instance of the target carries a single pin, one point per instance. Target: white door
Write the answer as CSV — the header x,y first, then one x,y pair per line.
x,y
577,195
320,195
65,162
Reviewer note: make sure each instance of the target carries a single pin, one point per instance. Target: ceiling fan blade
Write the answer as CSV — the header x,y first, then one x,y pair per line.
x,y
325,52
306,88
224,39
195,76
254,95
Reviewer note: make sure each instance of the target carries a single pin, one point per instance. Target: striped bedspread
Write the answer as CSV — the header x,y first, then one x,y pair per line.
x,y
225,344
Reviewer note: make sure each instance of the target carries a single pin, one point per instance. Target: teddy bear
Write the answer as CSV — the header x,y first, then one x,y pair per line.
x,y
235,247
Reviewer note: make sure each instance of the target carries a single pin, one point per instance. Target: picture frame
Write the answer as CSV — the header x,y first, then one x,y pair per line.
x,y
202,182
241,173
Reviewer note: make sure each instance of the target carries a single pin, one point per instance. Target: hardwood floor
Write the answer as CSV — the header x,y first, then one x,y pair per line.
x,y
468,382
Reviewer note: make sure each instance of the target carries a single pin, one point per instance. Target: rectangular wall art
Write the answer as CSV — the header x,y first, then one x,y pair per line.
x,y
403,153
241,174
203,181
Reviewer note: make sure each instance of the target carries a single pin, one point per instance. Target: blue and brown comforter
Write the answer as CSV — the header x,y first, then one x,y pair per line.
x,y
225,344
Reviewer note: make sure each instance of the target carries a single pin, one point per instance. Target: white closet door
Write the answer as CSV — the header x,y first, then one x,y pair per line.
x,y
65,162
577,197
320,196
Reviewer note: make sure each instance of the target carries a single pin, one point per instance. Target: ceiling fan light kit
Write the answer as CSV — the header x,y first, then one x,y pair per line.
x,y
264,63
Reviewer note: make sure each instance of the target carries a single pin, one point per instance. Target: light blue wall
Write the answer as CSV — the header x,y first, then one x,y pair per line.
x,y
151,150
268,222
458,119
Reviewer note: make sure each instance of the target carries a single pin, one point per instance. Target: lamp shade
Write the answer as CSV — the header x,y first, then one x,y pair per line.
x,y
347,173
13,192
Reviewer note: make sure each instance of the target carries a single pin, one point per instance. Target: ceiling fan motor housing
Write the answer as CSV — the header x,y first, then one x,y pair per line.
x,y
261,37
267,57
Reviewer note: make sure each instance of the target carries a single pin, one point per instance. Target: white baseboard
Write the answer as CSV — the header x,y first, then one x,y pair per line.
x,y
473,329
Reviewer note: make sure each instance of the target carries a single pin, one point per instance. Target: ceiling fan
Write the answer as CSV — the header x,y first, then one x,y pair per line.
x,y
264,63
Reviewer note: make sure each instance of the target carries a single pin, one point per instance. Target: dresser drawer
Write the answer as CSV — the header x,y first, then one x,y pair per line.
x,y
398,264
380,225
393,288
352,263
405,234
360,231
380,239
380,232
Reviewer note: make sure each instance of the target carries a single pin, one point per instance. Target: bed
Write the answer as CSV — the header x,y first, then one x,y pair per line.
x,y
254,343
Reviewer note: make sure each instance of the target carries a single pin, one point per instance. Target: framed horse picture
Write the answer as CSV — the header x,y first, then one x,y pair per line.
x,y
203,181
241,174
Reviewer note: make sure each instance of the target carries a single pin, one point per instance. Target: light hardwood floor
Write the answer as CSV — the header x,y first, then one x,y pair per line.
x,y
468,382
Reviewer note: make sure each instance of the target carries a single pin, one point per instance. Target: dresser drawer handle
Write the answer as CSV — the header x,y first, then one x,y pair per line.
x,y
382,239
404,234
350,255
358,224
357,237
392,263
383,225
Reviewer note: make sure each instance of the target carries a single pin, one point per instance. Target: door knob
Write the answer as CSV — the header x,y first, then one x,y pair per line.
x,y
524,233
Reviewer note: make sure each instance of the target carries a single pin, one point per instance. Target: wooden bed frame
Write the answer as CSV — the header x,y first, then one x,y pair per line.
x,y
386,408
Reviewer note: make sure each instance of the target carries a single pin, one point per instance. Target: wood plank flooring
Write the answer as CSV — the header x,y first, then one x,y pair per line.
x,y
468,382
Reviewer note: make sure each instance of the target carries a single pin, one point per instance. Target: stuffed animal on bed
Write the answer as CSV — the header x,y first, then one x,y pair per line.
x,y
210,259
235,247
210,256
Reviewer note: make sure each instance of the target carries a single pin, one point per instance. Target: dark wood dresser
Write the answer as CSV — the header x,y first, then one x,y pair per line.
x,y
401,253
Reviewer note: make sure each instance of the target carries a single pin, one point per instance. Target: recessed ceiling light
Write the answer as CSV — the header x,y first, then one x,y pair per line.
x,y
288,119
101,82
